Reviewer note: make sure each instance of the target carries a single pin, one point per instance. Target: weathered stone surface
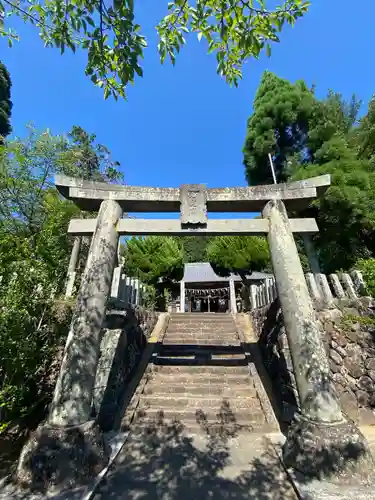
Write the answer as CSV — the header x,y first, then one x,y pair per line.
x,y
354,351
336,285
193,199
354,366
359,282
339,379
352,382
338,338
366,384
370,363
363,398
369,352
371,374
348,285
317,398
335,356
337,452
340,350
62,457
333,367
349,405
366,416
354,334
324,287
312,286
71,404
88,195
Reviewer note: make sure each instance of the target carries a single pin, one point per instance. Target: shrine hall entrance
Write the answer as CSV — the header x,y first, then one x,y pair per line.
x,y
212,300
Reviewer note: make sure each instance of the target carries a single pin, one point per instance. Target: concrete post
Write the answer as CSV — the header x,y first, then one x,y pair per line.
x,y
232,294
71,404
253,296
182,296
72,267
337,287
320,428
325,289
312,286
116,280
318,401
269,291
359,282
137,292
349,286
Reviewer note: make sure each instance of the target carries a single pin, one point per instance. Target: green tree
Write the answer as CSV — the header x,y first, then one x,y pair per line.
x,y
291,124
87,160
34,253
309,137
154,259
364,135
345,213
278,125
238,254
234,31
5,102
195,248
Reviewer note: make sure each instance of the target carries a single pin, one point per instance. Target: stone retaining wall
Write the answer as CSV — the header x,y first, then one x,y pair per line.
x,y
349,337
124,338
269,326
348,329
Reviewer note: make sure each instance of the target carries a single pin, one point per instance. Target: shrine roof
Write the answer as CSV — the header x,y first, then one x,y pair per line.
x,y
202,272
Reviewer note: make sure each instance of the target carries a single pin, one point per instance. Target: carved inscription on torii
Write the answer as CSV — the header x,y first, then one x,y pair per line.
x,y
193,199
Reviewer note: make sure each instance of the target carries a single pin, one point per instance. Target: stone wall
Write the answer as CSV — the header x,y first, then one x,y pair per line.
x,y
348,329
123,339
269,326
349,337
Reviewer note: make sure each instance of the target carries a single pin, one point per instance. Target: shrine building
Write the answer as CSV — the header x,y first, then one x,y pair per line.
x,y
202,290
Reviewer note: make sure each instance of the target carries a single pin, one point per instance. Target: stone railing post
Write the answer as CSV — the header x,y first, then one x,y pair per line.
x,y
359,282
72,267
253,296
321,422
182,296
232,295
337,286
71,404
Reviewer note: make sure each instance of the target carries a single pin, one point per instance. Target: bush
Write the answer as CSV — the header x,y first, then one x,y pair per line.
x,y
367,267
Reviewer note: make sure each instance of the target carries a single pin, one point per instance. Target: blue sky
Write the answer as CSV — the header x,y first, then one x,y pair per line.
x,y
184,124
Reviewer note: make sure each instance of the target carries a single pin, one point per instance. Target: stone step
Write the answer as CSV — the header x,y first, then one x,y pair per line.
x,y
213,370
210,341
201,349
159,387
180,353
201,317
213,379
199,361
207,332
149,426
192,415
205,403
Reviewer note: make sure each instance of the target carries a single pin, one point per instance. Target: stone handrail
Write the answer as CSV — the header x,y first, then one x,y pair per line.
x,y
322,288
126,290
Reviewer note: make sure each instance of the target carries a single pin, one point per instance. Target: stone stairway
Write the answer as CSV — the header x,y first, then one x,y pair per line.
x,y
200,424
201,377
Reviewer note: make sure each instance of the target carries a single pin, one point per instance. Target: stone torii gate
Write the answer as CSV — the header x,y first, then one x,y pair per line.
x,y
321,425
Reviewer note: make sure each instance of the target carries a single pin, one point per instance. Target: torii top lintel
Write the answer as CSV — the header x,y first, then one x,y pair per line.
x,y
88,195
